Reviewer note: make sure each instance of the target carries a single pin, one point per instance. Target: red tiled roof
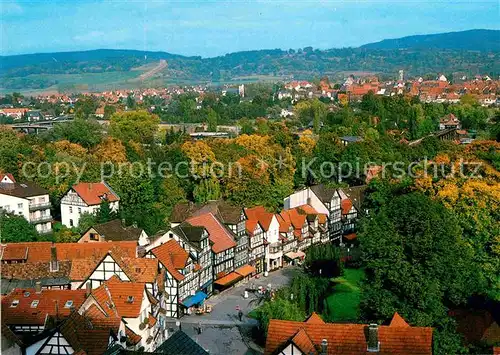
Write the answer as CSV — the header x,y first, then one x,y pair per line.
x,y
346,206
132,338
173,257
398,321
15,253
259,214
220,237
314,318
41,251
349,339
93,192
50,303
284,224
303,342
117,292
83,335
10,176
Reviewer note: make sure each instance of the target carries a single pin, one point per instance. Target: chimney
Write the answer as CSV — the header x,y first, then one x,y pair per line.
x,y
88,289
373,343
38,287
54,263
324,347
309,201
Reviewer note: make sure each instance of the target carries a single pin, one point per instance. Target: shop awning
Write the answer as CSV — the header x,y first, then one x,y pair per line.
x,y
295,255
350,236
229,279
245,270
197,298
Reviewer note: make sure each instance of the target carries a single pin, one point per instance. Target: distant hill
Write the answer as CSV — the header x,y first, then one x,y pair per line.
x,y
480,40
105,69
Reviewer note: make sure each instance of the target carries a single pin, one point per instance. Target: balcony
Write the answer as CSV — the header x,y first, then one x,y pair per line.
x,y
39,206
41,219
275,250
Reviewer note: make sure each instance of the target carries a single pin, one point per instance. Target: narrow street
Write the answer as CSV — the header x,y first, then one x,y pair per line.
x,y
221,330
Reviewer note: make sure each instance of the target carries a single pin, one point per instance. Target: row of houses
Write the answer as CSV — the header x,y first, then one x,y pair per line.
x,y
118,280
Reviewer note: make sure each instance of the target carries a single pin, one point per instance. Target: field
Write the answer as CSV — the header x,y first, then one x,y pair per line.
x,y
343,303
75,82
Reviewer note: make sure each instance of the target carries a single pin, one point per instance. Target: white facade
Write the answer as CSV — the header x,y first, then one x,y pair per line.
x,y
274,252
304,197
72,206
35,209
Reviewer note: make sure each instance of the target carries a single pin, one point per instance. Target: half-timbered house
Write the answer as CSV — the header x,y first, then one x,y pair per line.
x,y
134,306
86,197
180,278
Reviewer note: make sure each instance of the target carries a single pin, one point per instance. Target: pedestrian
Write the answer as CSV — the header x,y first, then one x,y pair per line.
x,y
240,315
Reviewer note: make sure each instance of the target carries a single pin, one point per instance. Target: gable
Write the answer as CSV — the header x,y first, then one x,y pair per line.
x,y
106,269
55,344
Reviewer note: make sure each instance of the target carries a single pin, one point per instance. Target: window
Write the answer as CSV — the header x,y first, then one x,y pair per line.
x,y
79,210
14,303
68,304
130,299
71,223
70,209
35,303
93,236
41,199
20,206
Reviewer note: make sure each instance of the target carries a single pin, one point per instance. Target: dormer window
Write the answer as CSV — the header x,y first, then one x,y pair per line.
x,y
14,303
68,304
27,294
35,303
130,299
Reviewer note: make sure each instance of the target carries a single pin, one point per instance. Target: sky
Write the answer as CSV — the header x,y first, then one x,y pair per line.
x,y
215,27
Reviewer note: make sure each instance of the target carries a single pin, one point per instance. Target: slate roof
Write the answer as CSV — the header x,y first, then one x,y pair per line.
x,y
22,190
356,194
226,212
347,339
180,343
191,233
92,193
323,192
115,231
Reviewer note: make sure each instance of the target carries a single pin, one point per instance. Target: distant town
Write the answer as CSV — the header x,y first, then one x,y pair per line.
x,y
300,217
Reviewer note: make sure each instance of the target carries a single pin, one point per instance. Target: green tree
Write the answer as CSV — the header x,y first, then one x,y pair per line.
x,y
130,102
278,309
137,126
417,262
207,189
86,221
85,106
212,118
324,260
16,229
109,110
86,132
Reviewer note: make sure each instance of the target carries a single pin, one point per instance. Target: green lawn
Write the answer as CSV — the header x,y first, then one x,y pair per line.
x,y
343,304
